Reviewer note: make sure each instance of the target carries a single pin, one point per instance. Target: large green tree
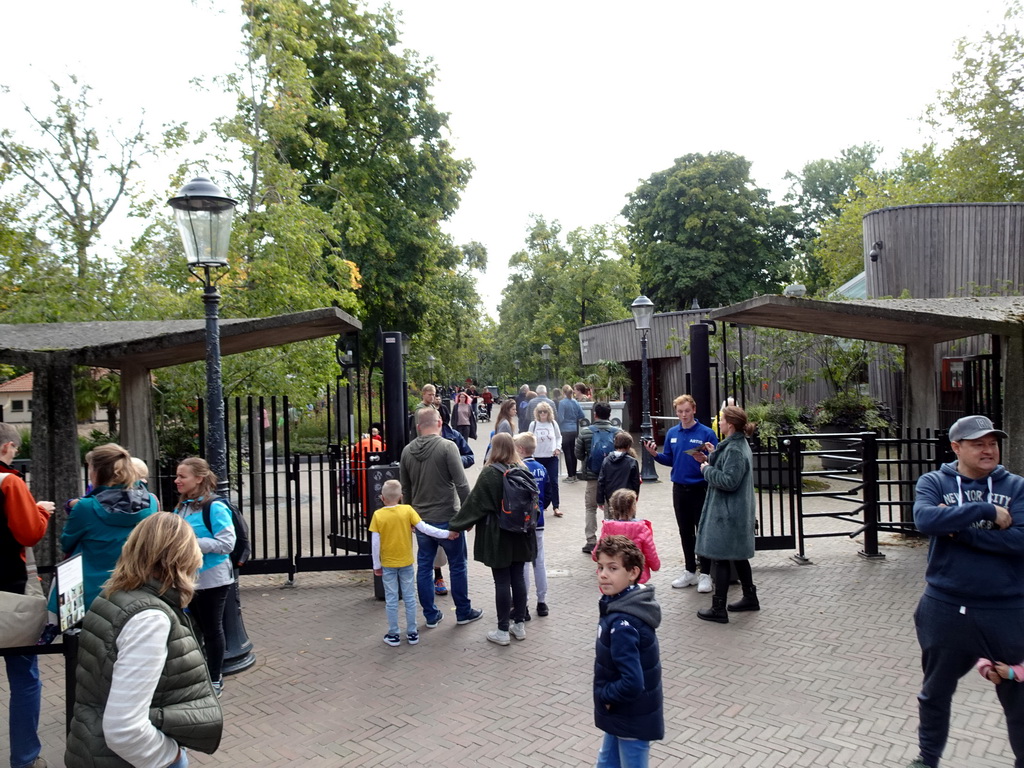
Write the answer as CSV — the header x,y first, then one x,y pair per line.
x,y
557,285
818,192
353,117
703,231
78,174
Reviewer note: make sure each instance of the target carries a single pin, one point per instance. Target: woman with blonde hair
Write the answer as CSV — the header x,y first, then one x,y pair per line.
x,y
549,447
506,553
197,486
143,691
99,523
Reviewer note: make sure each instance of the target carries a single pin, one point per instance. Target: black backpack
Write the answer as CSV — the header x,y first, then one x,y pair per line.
x,y
520,500
601,445
243,549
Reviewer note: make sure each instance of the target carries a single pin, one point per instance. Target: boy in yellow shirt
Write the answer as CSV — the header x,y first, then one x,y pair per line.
x,y
391,542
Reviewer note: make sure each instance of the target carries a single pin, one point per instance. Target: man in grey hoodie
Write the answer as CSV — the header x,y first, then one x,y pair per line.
x,y
432,476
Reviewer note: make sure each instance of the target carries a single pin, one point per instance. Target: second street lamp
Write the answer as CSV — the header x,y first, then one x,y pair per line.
x,y
643,313
545,352
203,214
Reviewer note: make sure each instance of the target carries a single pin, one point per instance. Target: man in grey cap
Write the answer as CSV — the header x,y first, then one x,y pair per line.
x,y
973,604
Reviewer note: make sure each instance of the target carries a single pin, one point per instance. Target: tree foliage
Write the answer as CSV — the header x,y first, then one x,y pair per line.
x,y
78,179
340,108
558,285
702,230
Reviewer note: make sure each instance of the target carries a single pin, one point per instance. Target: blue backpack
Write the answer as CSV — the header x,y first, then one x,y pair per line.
x,y
602,444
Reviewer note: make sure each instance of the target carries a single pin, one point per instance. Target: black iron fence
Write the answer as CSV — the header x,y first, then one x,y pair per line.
x,y
849,484
302,480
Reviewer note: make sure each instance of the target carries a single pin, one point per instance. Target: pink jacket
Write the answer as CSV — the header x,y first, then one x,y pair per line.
x,y
984,665
641,533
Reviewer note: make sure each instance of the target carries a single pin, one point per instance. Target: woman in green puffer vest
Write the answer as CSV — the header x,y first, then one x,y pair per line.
x,y
143,690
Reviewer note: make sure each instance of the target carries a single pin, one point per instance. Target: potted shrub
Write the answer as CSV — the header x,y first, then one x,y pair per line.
x,y
773,420
847,412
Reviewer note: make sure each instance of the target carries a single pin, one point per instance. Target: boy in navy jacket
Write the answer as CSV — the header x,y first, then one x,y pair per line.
x,y
628,704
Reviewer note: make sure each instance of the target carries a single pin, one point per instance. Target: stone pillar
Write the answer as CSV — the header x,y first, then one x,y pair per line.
x,y
920,399
55,459
920,410
138,433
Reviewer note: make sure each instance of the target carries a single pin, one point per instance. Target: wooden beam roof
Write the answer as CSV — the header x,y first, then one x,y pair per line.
x,y
892,321
156,344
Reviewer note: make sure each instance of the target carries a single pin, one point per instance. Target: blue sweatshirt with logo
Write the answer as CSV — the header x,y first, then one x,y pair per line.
x,y
678,441
970,561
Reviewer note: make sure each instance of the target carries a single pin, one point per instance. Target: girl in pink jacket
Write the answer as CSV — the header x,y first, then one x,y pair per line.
x,y
623,522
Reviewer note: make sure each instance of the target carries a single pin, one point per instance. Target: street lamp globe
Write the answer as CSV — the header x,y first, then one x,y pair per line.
x,y
643,312
203,214
545,351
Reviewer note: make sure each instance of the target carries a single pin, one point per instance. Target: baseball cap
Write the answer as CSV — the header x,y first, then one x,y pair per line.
x,y
973,427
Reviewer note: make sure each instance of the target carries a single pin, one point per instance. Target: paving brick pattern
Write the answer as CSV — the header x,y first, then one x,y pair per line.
x,y
824,675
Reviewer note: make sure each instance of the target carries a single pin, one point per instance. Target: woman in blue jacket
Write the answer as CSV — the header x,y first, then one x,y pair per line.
x,y
197,484
99,523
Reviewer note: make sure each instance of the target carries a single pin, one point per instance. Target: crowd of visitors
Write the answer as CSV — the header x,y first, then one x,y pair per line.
x,y
156,583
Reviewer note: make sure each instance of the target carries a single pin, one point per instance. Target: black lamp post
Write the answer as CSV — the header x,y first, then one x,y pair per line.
x,y
430,366
517,365
545,352
643,312
203,214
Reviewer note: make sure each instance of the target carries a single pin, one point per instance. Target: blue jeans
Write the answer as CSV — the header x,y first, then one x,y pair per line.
x,y
455,549
623,753
393,577
181,762
26,693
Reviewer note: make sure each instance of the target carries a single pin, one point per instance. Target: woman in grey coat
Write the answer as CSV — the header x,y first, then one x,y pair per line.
x,y
726,530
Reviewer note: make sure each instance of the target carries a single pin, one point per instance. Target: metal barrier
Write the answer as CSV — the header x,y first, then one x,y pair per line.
x,y
305,510
871,480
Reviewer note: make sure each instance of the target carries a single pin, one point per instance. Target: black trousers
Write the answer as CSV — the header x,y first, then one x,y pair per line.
x,y
688,502
510,594
207,608
569,452
723,569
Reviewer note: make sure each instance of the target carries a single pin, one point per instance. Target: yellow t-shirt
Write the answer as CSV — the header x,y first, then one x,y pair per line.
x,y
395,524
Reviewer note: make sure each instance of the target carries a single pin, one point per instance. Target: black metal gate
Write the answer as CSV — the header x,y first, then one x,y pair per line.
x,y
305,495
870,484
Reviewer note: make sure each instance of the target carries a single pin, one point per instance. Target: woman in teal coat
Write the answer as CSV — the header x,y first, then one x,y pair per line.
x,y
727,524
504,552
99,523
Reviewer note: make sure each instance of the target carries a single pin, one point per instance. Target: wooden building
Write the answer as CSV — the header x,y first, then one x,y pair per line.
x,y
946,251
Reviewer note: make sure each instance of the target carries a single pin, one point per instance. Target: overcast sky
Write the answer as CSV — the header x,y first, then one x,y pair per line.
x,y
563,106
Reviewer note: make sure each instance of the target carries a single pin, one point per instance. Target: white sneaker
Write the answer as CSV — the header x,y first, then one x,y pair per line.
x,y
704,583
688,579
518,630
500,636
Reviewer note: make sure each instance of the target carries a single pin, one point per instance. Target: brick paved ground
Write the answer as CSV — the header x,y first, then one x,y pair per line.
x,y
824,675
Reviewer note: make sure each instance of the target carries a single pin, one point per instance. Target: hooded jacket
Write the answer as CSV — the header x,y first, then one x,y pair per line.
x,y
432,476
98,527
619,470
628,699
970,561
